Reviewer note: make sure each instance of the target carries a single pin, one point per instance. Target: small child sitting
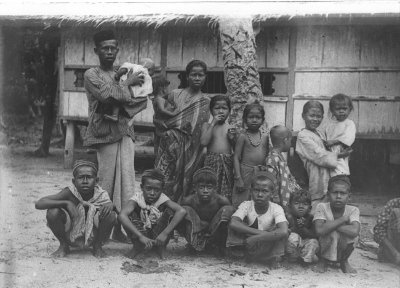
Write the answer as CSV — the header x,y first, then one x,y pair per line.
x,y
302,242
208,213
259,226
218,137
337,225
281,139
150,216
80,215
146,69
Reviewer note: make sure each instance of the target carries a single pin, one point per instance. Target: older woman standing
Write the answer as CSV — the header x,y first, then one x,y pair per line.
x,y
180,153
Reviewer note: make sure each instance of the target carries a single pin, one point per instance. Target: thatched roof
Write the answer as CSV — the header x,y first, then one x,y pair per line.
x,y
160,12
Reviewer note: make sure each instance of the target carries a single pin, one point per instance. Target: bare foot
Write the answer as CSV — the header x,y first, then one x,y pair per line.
x,y
346,267
321,266
98,252
61,252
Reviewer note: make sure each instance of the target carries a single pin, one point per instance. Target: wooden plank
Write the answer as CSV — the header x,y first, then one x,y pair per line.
x,y
61,64
164,51
327,83
321,46
128,42
172,77
277,47
380,83
150,45
275,113
69,145
380,46
280,85
74,47
174,47
90,57
77,104
291,82
201,45
379,117
261,49
146,116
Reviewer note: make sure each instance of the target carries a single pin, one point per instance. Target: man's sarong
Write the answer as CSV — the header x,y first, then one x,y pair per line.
x,y
117,171
243,194
199,233
155,230
222,164
254,248
180,153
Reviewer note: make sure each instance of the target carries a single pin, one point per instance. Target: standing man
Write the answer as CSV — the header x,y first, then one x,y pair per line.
x,y
113,140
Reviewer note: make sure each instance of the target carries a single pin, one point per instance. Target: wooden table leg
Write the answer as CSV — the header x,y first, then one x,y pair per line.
x,y
69,145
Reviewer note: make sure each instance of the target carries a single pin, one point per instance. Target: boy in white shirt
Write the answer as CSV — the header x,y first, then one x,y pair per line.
x,y
259,225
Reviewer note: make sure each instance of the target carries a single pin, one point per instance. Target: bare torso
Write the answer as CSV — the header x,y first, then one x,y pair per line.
x,y
219,141
252,155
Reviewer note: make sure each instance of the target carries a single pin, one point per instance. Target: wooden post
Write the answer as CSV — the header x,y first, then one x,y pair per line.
x,y
291,77
69,145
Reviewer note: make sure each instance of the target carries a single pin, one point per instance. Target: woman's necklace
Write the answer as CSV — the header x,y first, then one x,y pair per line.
x,y
252,141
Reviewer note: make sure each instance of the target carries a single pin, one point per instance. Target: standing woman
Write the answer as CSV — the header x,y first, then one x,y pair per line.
x,y
180,153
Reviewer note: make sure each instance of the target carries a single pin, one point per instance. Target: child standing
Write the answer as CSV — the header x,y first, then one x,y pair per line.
x,y
311,149
340,131
208,213
281,139
218,139
302,242
337,225
251,149
259,225
150,216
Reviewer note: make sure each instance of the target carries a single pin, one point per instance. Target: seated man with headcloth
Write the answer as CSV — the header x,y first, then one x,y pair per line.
x,y
387,232
82,214
208,214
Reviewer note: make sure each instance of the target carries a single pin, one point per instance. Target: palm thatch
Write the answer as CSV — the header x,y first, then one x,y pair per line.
x,y
151,13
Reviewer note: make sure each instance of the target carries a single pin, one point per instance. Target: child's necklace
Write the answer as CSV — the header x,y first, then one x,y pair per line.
x,y
252,142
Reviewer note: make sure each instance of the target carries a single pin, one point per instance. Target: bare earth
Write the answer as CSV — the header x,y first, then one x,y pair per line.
x,y
26,244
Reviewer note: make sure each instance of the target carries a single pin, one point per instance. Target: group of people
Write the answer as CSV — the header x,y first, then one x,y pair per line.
x,y
225,190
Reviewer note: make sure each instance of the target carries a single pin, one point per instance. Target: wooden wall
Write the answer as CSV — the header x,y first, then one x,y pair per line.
x,y
361,61
308,62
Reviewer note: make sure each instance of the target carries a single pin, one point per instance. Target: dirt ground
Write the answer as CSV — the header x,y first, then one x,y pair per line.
x,y
26,244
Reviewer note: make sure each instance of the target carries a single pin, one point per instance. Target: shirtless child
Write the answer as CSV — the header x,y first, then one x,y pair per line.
x,y
251,149
82,214
218,136
208,213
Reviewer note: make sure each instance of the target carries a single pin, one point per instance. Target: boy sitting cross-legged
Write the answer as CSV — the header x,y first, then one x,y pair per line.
x,y
150,216
337,225
259,225
208,213
82,214
302,242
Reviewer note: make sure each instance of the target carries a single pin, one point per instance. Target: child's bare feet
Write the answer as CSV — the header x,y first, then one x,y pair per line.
x,y
136,249
61,252
346,267
98,252
321,266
